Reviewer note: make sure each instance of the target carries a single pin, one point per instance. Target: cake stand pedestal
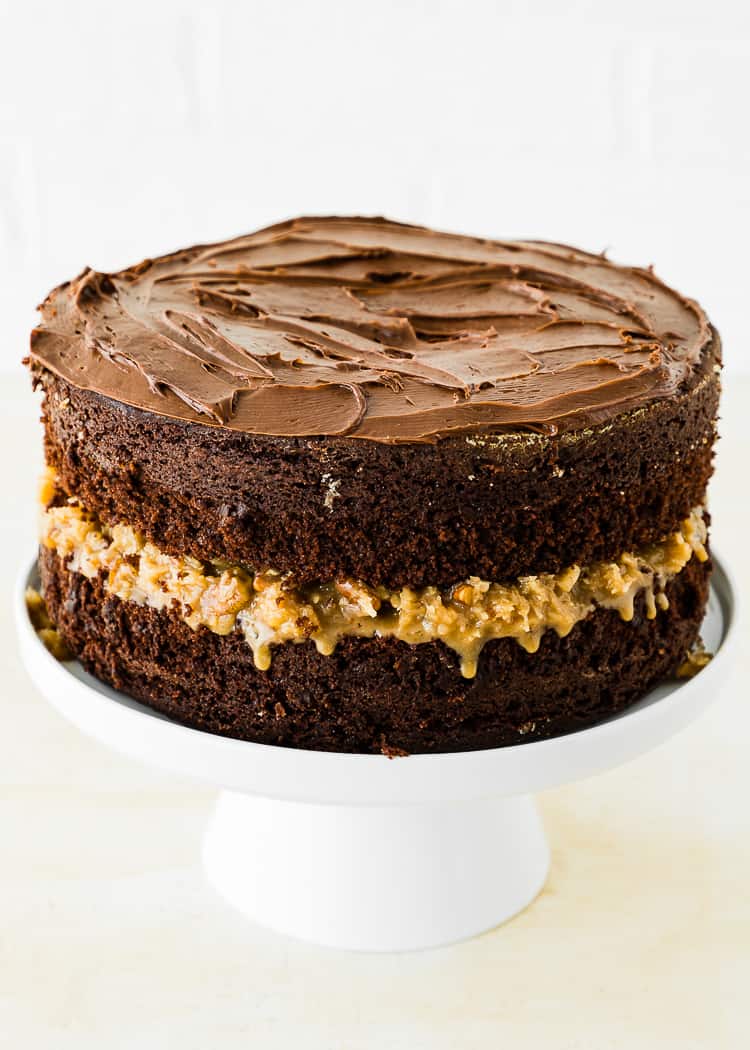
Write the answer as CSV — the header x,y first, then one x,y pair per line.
x,y
376,877
366,852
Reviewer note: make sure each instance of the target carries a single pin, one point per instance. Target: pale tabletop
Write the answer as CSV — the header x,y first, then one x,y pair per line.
x,y
110,937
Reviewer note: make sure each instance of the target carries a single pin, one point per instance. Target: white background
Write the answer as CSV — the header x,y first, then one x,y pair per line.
x,y
129,129
135,128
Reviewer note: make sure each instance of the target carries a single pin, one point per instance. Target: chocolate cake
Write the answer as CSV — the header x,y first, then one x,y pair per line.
x,y
352,485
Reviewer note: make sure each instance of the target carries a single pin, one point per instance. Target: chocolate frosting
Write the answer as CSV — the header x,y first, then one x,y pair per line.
x,y
366,328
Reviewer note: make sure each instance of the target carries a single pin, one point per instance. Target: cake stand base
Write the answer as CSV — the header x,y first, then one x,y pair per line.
x,y
377,878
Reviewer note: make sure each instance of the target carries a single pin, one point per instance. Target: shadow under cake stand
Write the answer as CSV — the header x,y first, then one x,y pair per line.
x,y
366,852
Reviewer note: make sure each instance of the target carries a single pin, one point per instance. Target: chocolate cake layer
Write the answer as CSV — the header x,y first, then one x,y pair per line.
x,y
374,694
495,506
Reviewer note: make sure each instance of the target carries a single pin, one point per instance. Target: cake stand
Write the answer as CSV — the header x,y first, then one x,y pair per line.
x,y
366,852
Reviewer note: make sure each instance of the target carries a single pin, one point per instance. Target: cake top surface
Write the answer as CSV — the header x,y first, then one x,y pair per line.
x,y
366,328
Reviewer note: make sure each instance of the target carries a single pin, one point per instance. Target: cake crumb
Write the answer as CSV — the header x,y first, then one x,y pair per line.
x,y
694,662
332,490
45,629
390,751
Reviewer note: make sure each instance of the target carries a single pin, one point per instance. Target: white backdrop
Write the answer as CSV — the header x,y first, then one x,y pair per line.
x,y
134,128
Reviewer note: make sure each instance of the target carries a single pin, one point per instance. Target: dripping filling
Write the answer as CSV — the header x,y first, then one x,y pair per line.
x,y
269,609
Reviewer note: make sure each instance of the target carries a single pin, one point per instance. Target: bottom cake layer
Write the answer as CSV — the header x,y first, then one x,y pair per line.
x,y
375,694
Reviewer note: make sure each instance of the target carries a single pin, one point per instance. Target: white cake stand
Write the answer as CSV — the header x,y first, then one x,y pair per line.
x,y
366,852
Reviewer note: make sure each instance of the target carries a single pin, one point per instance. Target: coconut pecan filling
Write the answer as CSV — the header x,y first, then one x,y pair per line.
x,y
269,609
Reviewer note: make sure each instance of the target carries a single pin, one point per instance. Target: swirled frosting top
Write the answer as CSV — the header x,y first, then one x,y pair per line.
x,y
366,328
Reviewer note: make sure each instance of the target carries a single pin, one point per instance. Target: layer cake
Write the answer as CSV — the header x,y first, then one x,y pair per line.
x,y
353,485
